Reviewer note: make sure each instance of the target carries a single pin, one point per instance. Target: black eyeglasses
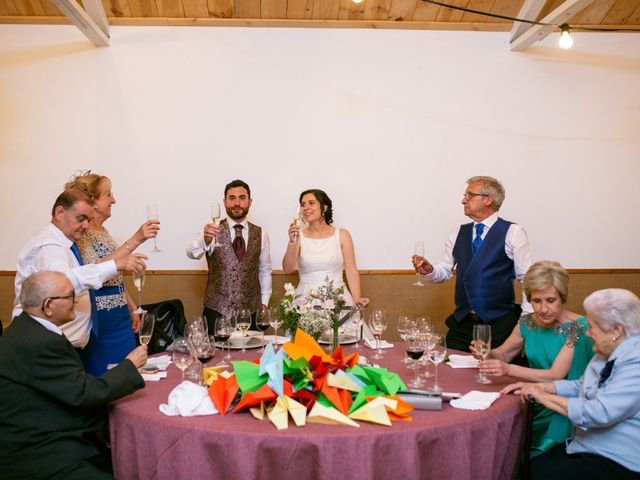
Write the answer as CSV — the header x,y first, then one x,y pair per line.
x,y
72,296
470,195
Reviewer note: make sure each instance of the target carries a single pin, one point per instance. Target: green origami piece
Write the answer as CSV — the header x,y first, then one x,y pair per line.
x,y
385,380
358,371
297,372
361,398
324,401
248,376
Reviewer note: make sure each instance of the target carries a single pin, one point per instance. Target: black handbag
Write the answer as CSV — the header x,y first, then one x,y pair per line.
x,y
169,324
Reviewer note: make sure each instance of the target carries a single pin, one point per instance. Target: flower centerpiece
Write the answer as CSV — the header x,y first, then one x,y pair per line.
x,y
315,311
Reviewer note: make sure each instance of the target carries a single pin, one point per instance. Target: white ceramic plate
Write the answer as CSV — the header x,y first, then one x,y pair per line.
x,y
344,340
254,342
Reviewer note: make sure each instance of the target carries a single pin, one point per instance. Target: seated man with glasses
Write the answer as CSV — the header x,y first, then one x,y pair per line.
x,y
53,414
488,254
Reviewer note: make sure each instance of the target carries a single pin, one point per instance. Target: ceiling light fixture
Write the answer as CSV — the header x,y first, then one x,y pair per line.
x,y
565,42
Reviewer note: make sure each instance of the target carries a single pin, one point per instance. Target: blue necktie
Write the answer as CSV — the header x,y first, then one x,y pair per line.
x,y
478,240
76,252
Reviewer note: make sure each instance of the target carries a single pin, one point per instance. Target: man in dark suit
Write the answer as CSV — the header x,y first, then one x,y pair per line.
x,y
488,254
52,413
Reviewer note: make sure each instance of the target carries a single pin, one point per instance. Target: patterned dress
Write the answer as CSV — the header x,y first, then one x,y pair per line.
x,y
541,346
112,336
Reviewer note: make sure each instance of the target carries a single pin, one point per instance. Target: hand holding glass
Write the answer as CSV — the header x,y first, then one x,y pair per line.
x,y
216,217
482,344
152,214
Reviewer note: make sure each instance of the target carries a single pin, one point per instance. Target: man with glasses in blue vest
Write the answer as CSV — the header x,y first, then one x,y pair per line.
x,y
488,254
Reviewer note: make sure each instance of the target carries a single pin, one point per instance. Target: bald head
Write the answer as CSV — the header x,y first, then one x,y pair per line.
x,y
49,295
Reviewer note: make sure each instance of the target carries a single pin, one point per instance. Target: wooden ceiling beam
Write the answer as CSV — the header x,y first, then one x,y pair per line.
x,y
529,11
558,16
84,22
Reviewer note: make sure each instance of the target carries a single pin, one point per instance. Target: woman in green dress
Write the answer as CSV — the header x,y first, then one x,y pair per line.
x,y
554,343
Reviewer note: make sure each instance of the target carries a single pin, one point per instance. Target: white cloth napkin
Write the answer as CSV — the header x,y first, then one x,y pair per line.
x,y
475,400
372,344
153,377
188,400
161,362
463,361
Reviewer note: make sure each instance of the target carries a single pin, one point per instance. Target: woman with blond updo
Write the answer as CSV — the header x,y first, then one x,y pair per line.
x,y
113,313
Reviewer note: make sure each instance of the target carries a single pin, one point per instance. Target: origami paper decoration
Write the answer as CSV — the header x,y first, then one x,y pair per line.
x,y
361,398
251,399
374,411
271,364
342,380
279,414
329,416
209,374
258,413
248,376
305,346
223,391
385,380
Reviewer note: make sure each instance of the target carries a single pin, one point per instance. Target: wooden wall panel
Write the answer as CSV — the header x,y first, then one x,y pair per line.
x,y
394,292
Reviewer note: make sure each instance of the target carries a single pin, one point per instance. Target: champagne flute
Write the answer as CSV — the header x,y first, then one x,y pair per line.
x,y
297,221
482,344
243,322
415,350
358,321
223,331
378,325
275,322
204,351
138,282
152,214
418,251
263,317
216,217
181,355
147,321
437,355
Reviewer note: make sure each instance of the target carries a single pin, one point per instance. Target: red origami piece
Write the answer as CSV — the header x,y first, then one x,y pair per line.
x,y
222,392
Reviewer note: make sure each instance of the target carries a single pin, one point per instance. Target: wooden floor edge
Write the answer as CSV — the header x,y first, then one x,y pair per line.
x,y
577,271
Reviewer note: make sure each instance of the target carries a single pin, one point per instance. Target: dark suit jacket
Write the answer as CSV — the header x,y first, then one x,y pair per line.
x,y
50,408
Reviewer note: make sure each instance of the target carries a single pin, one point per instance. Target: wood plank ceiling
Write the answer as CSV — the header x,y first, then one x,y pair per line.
x,y
618,14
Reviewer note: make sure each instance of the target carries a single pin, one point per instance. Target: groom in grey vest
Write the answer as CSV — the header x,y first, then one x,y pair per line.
x,y
240,265
488,254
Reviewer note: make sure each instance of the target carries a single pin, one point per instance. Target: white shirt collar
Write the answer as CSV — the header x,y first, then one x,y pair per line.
x,y
47,324
60,235
233,223
488,222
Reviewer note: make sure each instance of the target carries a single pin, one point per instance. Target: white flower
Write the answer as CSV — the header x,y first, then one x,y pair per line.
x,y
329,304
289,289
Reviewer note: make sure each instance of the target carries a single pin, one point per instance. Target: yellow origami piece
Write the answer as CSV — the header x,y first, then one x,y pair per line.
x,y
305,346
210,374
375,411
258,413
329,416
279,414
342,381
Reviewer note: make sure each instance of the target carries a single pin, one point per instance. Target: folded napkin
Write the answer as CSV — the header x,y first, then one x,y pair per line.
x,y
372,344
160,362
188,400
475,400
153,376
463,361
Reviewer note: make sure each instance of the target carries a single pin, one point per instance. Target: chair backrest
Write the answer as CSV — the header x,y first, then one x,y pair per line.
x,y
170,321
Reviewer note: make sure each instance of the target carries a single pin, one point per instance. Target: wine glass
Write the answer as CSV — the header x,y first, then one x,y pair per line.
x,y
482,344
243,322
297,221
405,324
181,355
223,331
147,321
138,282
152,214
263,317
415,350
418,251
437,355
358,320
275,322
378,324
204,351
216,217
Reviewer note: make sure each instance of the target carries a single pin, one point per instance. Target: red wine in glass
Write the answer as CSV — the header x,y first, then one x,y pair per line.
x,y
262,327
414,354
205,358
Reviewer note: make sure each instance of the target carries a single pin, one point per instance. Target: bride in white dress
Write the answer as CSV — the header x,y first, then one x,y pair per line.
x,y
321,250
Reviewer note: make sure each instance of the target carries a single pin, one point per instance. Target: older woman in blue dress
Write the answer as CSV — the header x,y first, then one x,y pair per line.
x,y
604,404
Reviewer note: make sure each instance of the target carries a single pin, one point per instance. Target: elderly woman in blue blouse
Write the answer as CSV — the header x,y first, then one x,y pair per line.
x,y
603,405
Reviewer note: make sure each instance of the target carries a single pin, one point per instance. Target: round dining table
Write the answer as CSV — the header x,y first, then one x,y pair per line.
x,y
446,444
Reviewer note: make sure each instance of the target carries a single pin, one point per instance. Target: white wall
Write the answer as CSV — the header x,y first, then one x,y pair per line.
x,y
390,123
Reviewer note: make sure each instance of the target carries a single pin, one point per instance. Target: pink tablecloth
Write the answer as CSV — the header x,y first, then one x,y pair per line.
x,y
448,444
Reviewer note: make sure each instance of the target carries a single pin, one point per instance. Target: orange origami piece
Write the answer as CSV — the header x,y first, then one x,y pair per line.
x,y
339,362
401,411
305,346
222,392
251,399
342,401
